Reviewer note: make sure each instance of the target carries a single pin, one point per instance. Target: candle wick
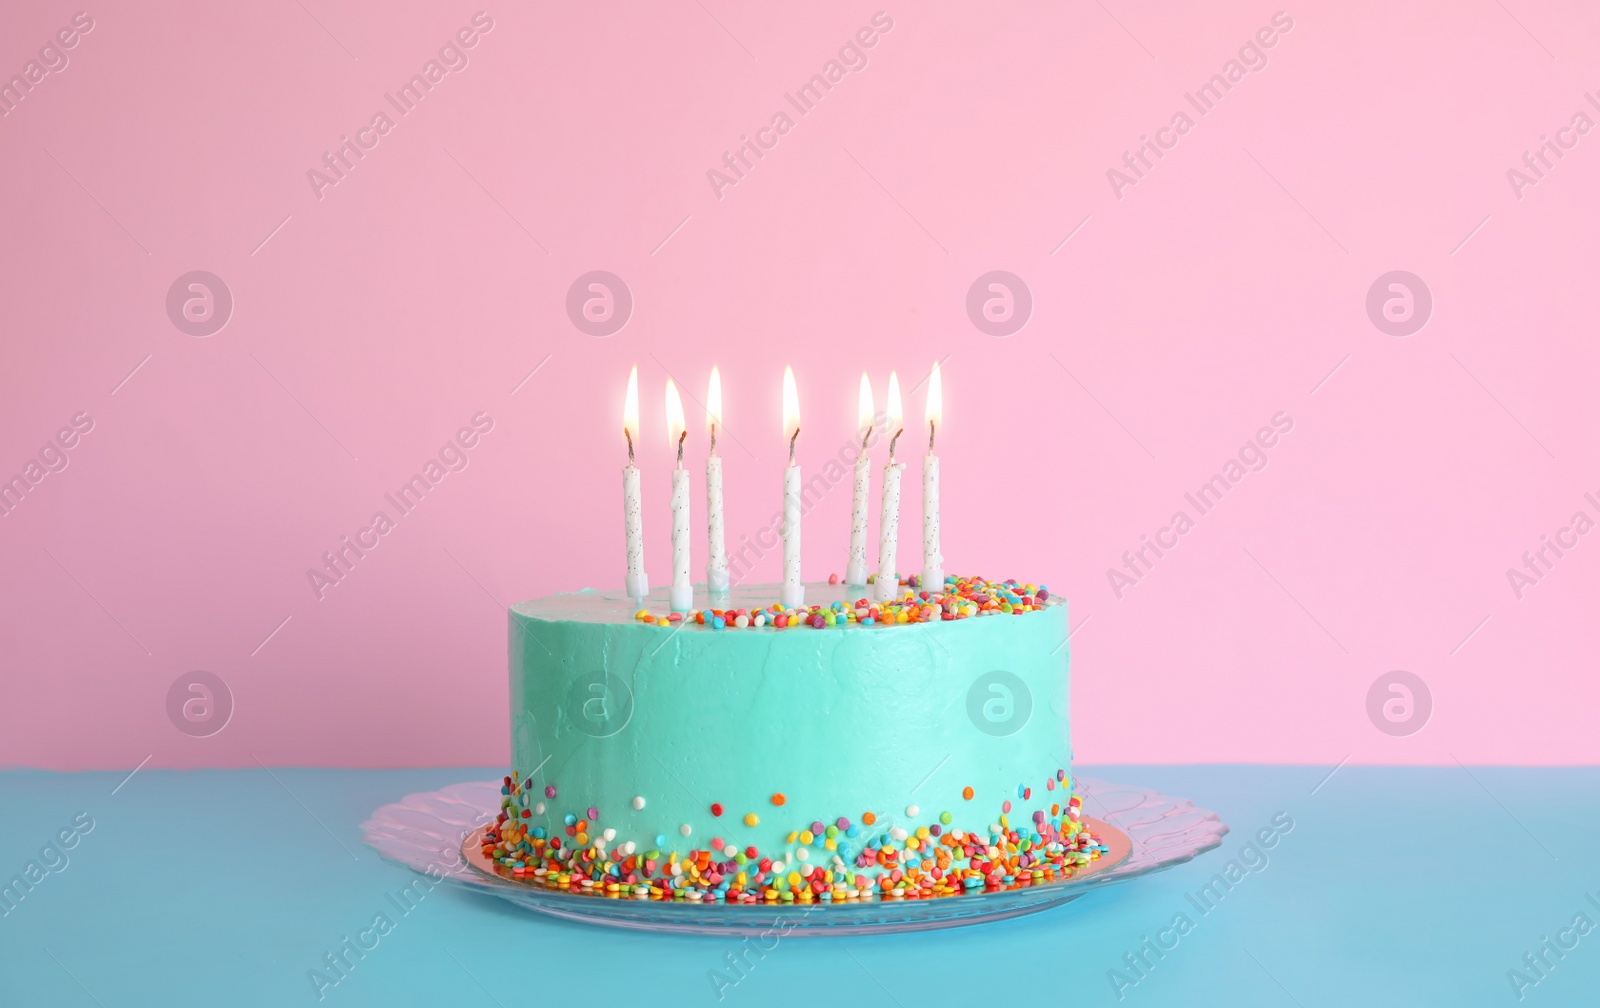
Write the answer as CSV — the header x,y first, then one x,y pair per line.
x,y
680,448
930,437
713,439
792,439
629,435
866,435
891,443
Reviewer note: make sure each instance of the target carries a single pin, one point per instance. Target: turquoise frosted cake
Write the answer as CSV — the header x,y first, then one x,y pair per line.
x,y
917,747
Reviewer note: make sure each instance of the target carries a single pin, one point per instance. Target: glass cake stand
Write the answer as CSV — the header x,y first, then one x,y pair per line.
x,y
437,833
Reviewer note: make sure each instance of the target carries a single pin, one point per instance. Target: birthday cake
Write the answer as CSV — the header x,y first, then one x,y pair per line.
x,y
750,751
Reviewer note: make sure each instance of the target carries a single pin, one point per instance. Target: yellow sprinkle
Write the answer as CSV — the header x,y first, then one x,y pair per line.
x,y
806,836
750,818
663,621
792,836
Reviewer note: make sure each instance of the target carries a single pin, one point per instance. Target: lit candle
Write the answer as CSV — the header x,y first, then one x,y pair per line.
x,y
793,593
855,571
717,562
887,585
636,584
682,599
932,559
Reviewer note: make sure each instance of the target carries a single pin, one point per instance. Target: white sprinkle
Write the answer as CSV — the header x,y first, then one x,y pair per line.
x,y
802,854
912,810
685,829
539,809
898,833
638,802
609,835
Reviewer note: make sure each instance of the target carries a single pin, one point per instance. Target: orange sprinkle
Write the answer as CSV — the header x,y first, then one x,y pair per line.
x,y
779,799
966,793
867,818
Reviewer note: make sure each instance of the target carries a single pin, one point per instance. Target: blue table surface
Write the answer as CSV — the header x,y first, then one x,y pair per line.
x,y
1395,886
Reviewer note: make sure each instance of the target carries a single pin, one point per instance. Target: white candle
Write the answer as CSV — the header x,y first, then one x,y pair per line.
x,y
793,593
887,585
682,599
635,582
932,558
855,571
717,559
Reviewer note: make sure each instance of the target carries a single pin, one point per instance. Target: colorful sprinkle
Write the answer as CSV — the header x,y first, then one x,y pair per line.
x,y
958,598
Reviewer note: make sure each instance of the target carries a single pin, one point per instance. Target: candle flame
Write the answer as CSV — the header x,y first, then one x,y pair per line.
x,y
935,402
675,424
864,415
791,405
714,402
630,406
895,415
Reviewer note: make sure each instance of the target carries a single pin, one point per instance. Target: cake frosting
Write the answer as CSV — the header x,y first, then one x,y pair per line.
x,y
919,747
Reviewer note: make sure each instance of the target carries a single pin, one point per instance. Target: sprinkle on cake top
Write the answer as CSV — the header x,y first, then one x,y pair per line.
x,y
957,598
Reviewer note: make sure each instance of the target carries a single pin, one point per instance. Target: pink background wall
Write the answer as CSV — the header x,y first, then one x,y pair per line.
x,y
1170,320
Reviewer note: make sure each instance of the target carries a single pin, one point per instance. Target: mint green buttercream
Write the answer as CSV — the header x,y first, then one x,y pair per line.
x,y
841,721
